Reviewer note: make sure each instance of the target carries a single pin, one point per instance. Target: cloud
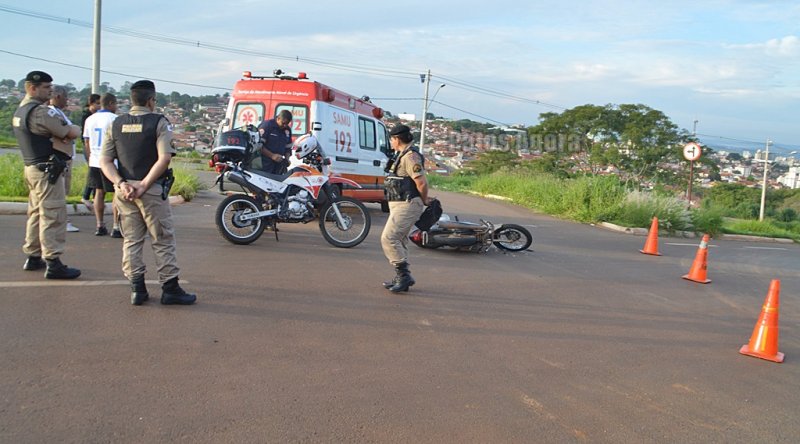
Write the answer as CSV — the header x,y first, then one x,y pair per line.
x,y
788,47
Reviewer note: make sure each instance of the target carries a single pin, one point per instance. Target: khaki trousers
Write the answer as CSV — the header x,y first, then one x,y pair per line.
x,y
147,215
68,177
394,238
46,229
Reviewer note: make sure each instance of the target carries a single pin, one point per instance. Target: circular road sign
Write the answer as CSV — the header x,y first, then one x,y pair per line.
x,y
692,151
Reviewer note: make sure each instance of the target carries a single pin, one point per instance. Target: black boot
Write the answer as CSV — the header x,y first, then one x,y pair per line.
x,y
57,270
172,293
403,280
34,263
138,290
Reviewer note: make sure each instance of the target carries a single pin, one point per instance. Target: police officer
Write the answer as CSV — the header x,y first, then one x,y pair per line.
x,y
276,138
407,193
141,143
36,128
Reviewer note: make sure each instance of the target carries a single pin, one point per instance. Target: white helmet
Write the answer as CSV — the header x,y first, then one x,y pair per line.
x,y
304,145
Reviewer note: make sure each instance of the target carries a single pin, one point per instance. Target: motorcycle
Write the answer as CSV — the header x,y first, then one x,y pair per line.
x,y
471,236
305,193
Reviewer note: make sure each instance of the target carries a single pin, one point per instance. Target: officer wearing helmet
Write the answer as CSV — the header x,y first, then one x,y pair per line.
x,y
140,141
407,192
41,132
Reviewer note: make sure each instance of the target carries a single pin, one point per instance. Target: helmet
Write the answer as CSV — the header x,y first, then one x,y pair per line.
x,y
304,145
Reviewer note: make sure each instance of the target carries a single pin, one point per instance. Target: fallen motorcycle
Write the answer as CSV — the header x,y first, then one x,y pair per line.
x,y
471,236
305,193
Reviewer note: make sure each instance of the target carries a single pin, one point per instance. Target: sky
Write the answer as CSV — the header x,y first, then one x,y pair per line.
x,y
733,66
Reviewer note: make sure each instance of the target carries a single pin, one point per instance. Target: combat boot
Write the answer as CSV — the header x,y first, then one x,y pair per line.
x,y
403,280
34,263
57,270
172,293
138,290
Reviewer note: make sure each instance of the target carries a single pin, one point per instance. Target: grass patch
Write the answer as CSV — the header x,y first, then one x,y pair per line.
x,y
765,228
14,189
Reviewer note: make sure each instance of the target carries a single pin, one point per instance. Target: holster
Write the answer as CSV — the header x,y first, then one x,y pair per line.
x,y
55,167
167,180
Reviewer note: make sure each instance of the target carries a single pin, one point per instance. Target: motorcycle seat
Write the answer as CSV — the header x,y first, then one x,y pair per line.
x,y
457,225
278,177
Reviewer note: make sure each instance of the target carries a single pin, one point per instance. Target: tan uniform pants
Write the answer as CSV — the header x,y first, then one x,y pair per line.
x,y
68,178
394,239
147,215
46,230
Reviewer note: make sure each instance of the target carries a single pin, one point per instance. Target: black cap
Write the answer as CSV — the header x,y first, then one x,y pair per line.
x,y
144,84
38,77
399,129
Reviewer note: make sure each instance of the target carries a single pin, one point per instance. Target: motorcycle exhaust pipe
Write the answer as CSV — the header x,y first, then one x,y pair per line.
x,y
454,241
238,179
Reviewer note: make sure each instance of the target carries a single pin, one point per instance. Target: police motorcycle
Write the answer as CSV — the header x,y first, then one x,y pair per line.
x,y
470,236
306,192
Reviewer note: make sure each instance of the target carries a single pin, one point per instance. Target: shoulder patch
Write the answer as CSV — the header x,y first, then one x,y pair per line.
x,y
52,113
169,127
417,168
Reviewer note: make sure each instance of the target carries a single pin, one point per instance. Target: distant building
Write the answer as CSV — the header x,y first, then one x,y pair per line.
x,y
792,178
407,117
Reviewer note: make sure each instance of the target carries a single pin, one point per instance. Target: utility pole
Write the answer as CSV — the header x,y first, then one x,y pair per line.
x,y
98,5
425,78
764,183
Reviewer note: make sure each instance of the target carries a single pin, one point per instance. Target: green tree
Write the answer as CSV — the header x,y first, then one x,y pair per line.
x,y
491,161
634,138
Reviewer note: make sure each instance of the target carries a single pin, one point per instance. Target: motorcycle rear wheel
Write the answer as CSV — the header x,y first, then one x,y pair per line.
x,y
512,237
234,230
355,227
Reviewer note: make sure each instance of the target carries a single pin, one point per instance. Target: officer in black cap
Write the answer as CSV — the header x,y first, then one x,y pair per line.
x,y
407,193
141,143
37,127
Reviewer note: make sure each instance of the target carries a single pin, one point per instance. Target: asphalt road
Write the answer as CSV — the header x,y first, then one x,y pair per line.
x,y
583,339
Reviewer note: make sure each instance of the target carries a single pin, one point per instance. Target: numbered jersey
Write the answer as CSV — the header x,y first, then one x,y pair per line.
x,y
95,130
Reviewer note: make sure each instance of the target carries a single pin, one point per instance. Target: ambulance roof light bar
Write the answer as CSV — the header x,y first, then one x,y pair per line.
x,y
279,74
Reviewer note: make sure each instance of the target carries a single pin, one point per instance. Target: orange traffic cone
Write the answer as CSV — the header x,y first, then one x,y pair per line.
x,y
651,245
698,271
764,340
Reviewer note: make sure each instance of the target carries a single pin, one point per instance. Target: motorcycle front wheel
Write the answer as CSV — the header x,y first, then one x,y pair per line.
x,y
230,223
348,230
512,237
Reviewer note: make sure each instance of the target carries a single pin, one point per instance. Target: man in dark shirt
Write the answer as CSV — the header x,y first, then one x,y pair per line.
x,y
276,139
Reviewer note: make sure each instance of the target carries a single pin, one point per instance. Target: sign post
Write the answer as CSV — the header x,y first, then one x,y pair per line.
x,y
691,152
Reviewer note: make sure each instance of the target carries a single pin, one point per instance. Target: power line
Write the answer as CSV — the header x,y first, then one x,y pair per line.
x,y
352,67
133,76
471,114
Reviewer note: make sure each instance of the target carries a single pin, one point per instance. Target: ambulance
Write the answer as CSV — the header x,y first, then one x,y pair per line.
x,y
349,128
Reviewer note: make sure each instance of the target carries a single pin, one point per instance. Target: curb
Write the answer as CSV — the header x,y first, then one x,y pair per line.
x,y
644,231
73,209
690,234
490,196
747,238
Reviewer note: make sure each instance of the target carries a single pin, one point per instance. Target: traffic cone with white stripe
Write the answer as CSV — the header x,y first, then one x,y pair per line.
x,y
651,245
700,266
764,340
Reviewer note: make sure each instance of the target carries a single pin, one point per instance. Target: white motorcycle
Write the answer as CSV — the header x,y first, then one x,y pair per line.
x,y
306,192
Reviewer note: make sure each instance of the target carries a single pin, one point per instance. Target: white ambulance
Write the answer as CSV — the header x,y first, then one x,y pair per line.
x,y
349,128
